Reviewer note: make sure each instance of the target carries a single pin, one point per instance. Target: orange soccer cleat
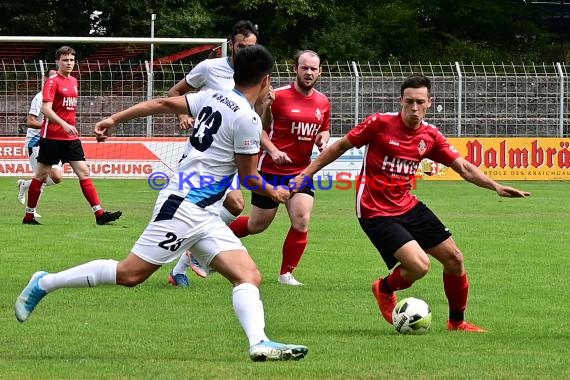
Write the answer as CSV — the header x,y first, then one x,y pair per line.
x,y
386,302
464,326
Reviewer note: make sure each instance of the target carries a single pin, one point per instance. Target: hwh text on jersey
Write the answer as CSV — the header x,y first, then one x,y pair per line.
x,y
305,129
399,165
69,101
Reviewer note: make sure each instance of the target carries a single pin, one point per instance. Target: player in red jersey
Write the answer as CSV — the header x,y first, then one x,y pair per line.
x,y
299,118
59,139
401,227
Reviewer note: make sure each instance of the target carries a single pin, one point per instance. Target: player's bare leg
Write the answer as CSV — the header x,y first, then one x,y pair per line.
x,y
234,204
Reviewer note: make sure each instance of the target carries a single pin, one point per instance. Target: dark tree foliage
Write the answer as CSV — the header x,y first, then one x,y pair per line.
x,y
384,30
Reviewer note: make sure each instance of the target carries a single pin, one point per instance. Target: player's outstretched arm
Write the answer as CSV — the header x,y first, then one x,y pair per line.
x,y
179,89
177,104
473,174
331,153
250,179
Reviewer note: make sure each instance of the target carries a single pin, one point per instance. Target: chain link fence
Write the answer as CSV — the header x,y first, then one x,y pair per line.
x,y
469,99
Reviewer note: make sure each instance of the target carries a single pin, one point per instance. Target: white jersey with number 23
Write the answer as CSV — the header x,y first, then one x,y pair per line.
x,y
225,124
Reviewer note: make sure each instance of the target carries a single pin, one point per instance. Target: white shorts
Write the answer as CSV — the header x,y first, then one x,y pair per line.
x,y
178,225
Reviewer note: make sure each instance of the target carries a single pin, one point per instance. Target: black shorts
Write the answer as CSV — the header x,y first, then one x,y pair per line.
x,y
54,151
390,233
267,203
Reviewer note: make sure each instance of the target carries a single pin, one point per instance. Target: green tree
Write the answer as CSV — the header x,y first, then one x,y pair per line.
x,y
397,30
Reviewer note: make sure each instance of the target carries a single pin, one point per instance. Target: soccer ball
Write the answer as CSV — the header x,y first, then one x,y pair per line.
x,y
411,316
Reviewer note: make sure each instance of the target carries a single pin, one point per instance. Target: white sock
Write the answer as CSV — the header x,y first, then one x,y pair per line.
x,y
249,311
182,265
227,216
93,273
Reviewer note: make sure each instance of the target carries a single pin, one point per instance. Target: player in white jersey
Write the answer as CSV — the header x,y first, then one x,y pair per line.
x,y
32,145
187,214
217,74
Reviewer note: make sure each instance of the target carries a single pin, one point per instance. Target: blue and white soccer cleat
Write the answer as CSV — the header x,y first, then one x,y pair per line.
x,y
269,350
179,279
29,298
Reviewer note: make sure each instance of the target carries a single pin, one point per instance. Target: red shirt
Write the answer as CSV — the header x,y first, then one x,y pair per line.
x,y
63,94
391,160
297,119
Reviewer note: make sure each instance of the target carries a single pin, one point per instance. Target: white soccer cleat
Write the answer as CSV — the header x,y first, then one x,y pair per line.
x,y
288,279
21,191
36,215
269,350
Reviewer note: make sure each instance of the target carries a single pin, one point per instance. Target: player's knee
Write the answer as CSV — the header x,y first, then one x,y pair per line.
x,y
82,174
129,280
255,227
257,278
301,225
56,175
421,269
41,176
250,276
453,262
416,269
234,203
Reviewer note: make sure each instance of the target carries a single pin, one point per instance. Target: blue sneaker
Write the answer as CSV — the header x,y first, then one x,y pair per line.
x,y
179,279
197,267
269,350
29,298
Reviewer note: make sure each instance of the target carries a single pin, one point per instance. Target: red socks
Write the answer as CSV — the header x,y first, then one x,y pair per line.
x,y
90,193
239,226
395,281
34,192
293,249
456,289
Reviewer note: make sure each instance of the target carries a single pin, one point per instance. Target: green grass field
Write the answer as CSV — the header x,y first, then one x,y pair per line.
x,y
516,256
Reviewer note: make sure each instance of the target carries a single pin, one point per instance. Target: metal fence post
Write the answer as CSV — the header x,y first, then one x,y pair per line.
x,y
459,98
150,72
356,93
561,122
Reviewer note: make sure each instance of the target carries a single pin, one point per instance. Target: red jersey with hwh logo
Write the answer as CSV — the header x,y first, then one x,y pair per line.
x,y
391,159
63,94
296,121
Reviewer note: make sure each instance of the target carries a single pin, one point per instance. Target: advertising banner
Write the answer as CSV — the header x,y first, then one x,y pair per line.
x,y
118,157
518,158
